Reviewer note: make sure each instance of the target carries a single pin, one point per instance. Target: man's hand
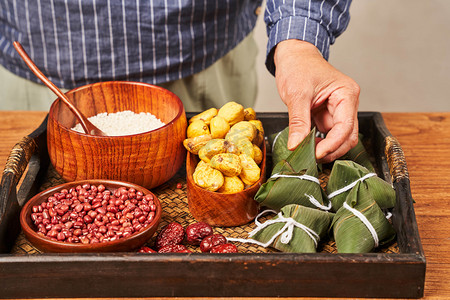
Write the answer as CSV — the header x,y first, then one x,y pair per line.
x,y
316,94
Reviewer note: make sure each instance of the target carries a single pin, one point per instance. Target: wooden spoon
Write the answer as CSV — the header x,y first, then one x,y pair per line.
x,y
88,127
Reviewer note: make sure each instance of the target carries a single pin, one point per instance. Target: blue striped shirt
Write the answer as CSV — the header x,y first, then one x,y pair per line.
x,y
76,42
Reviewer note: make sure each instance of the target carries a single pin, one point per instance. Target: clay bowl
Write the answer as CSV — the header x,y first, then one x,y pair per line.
x,y
147,159
220,209
129,243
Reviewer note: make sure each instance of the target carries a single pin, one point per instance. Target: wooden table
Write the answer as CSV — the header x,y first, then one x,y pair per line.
x,y
425,139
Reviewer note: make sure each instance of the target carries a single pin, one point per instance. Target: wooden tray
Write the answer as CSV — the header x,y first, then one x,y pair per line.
x,y
271,274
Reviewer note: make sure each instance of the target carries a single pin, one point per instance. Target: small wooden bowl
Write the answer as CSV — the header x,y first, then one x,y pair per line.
x,y
220,209
147,159
130,243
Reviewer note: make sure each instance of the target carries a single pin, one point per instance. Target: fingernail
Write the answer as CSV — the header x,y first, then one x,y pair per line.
x,y
294,140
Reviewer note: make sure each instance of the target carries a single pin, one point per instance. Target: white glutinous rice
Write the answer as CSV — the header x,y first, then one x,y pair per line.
x,y
123,123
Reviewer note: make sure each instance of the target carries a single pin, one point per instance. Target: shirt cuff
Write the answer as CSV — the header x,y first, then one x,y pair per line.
x,y
301,28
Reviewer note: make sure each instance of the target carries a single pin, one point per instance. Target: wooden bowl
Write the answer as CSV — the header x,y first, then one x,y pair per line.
x,y
147,159
220,209
129,243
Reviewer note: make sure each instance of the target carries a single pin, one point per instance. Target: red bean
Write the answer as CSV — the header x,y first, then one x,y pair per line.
x,y
61,236
68,224
101,210
52,212
34,217
151,216
45,214
96,205
87,219
57,227
102,229
93,214
79,207
52,233
114,228
87,206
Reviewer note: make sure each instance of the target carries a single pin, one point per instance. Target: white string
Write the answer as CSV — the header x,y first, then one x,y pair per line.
x,y
286,231
310,197
366,222
317,203
351,185
305,177
275,139
257,223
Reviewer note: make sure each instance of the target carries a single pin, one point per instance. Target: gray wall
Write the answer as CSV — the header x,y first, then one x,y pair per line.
x,y
397,51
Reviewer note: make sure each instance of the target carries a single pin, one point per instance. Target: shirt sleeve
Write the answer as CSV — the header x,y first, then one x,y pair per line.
x,y
318,22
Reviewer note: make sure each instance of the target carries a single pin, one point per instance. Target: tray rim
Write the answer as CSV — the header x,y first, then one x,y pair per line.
x,y
413,257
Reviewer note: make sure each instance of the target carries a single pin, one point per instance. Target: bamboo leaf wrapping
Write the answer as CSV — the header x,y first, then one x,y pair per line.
x,y
289,188
359,155
349,231
345,172
278,142
316,220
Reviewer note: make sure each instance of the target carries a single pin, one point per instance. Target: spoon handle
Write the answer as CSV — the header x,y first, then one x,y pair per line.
x,y
50,85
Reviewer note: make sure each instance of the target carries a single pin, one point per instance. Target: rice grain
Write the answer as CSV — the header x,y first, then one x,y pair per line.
x,y
123,123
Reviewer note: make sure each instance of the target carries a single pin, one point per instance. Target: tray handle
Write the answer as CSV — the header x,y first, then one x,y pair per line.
x,y
396,159
19,158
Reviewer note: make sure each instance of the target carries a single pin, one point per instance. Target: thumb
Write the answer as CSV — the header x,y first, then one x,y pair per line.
x,y
299,122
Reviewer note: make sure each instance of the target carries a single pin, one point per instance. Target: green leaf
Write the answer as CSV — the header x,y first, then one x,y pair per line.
x,y
285,187
316,220
345,172
349,231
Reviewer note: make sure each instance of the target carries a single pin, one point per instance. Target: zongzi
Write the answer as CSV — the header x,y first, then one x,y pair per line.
x,y
294,180
296,229
346,174
359,225
359,155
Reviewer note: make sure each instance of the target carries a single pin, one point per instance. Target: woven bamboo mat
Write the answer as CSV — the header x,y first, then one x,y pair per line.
x,y
175,209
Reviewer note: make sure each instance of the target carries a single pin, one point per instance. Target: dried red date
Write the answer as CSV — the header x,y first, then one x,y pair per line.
x,y
196,232
174,249
212,241
145,249
224,248
172,234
